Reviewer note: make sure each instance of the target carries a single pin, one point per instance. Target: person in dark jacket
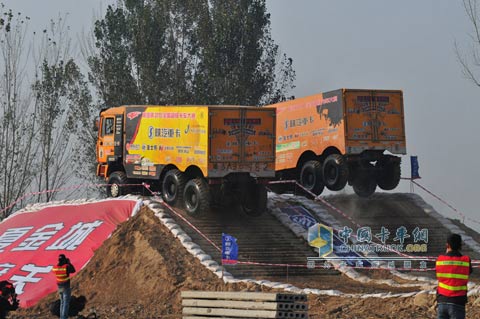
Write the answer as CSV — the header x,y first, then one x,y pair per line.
x,y
62,272
8,298
453,270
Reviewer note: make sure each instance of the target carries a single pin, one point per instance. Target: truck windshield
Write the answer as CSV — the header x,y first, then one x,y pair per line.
x,y
108,126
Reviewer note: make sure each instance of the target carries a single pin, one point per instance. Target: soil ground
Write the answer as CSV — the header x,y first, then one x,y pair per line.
x,y
140,271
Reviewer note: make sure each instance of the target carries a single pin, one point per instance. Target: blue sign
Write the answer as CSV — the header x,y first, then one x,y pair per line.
x,y
229,250
414,167
299,215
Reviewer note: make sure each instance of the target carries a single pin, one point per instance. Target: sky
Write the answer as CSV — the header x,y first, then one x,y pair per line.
x,y
371,44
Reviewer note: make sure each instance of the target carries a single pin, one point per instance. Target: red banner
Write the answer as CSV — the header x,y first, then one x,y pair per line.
x,y
30,242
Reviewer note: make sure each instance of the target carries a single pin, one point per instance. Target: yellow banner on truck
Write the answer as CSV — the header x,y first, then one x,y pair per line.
x,y
161,135
217,139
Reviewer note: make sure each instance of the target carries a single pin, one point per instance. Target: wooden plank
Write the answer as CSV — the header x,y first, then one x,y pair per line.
x,y
236,295
264,296
260,305
202,317
230,312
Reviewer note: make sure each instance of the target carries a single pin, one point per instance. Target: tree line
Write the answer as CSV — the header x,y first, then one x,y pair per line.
x,y
157,52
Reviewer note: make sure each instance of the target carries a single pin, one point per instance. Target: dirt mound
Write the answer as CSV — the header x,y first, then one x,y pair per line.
x,y
140,271
137,273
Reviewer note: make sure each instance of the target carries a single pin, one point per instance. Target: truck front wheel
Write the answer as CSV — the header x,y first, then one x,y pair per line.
x,y
172,186
335,172
311,177
117,184
196,196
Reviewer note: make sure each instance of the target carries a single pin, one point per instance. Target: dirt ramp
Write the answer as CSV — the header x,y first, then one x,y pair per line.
x,y
141,264
138,273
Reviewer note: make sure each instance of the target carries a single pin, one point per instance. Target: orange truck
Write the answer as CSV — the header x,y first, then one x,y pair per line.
x,y
343,136
196,156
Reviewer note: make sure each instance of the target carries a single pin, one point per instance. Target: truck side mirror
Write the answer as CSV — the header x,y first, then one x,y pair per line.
x,y
96,124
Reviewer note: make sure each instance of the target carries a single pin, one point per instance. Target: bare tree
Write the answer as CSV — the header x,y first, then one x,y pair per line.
x,y
17,114
62,98
471,62
87,134
44,111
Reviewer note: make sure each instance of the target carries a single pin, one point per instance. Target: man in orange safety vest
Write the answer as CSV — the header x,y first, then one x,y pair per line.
x,y
453,270
62,272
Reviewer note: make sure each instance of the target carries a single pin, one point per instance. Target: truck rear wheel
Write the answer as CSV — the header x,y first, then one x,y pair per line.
x,y
172,186
117,184
254,202
364,184
311,177
388,174
196,196
335,172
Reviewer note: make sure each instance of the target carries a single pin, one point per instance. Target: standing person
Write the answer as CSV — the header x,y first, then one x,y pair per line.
x,y
62,272
453,270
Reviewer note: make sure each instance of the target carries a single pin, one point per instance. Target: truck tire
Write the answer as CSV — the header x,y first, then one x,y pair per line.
x,y
196,197
388,174
117,184
173,185
335,172
364,184
254,202
311,177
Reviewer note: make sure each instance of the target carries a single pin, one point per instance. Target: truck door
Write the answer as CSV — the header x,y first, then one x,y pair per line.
x,y
242,140
109,145
226,135
259,136
374,117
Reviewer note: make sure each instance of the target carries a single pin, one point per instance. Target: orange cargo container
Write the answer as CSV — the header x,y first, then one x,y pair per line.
x,y
194,155
339,137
